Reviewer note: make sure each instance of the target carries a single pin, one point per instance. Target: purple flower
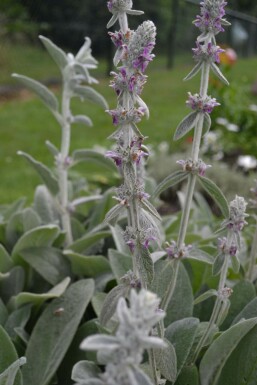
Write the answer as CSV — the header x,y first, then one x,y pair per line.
x,y
197,102
233,249
174,252
237,215
131,244
142,61
209,52
117,38
211,17
223,247
225,293
131,279
141,46
136,151
147,241
122,116
202,167
198,167
123,81
110,5
116,156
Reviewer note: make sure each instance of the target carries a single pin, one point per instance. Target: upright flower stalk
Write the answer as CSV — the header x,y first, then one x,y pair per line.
x,y
251,270
206,54
74,73
133,54
227,256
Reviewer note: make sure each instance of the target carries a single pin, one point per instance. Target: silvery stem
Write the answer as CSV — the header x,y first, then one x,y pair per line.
x,y
218,303
62,167
190,187
123,21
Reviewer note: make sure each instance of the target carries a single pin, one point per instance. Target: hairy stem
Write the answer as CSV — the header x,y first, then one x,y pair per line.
x,y
152,363
190,188
62,166
216,312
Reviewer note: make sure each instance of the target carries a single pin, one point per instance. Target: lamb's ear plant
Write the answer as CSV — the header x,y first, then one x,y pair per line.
x,y
251,272
206,54
75,77
132,57
122,354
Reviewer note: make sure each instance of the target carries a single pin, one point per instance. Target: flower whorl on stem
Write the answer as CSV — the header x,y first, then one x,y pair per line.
x,y
133,54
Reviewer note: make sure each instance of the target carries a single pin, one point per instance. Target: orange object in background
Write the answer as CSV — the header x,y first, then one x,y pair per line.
x,y
228,57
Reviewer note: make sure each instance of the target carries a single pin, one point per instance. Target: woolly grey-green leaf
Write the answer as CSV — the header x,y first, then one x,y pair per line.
x,y
17,318
88,240
194,71
243,292
45,205
52,148
90,94
113,214
150,209
206,295
48,262
188,375
8,376
144,264
201,256
249,311
42,236
37,299
87,266
111,301
241,366
171,180
47,97
44,172
141,377
218,73
215,193
92,156
163,274
166,361
117,235
82,119
181,304
121,263
13,208
186,125
57,53
3,313
206,123
84,370
220,350
235,263
8,356
54,331
12,283
5,260
218,263
182,334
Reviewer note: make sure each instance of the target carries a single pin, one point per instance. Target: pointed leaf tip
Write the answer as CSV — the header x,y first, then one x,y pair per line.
x,y
186,125
216,194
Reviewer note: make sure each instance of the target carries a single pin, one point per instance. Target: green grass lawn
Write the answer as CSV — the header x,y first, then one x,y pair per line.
x,y
25,124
